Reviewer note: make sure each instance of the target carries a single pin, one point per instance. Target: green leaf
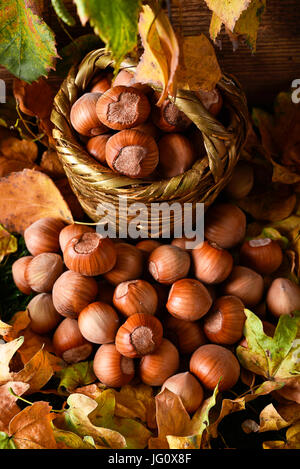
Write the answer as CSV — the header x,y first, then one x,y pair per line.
x,y
6,442
70,439
27,44
74,376
274,358
116,22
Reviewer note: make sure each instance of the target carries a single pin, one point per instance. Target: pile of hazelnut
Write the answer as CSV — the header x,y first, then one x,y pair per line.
x,y
168,315
122,127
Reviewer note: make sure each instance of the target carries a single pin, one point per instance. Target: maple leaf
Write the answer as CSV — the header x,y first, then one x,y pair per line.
x,y
32,429
8,406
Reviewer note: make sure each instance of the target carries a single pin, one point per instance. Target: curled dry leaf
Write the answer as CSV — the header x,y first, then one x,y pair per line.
x,y
73,376
282,416
134,432
292,439
159,61
27,196
33,343
228,11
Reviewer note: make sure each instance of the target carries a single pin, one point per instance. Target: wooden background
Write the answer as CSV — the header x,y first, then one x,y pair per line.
x,y
263,74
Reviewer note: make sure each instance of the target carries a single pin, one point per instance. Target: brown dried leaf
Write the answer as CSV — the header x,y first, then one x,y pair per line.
x,y
273,419
21,150
199,68
7,351
8,406
51,164
27,196
172,419
32,429
20,325
36,372
8,166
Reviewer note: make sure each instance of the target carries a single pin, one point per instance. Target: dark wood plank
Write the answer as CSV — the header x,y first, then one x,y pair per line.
x,y
263,74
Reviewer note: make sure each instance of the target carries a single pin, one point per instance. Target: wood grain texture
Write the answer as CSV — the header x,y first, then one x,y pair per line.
x,y
263,74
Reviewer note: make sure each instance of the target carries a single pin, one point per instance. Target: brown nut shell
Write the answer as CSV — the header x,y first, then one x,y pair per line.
x,y
98,323
169,263
215,364
122,107
135,296
69,343
84,118
212,264
158,366
43,235
112,368
132,153
90,254
72,292
140,335
18,273
43,270
129,264
188,300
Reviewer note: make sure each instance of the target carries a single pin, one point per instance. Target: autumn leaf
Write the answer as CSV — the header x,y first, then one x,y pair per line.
x,y
27,196
51,164
17,149
69,440
6,442
32,429
172,419
248,23
115,22
32,52
159,61
33,343
273,418
7,351
229,11
136,401
8,243
73,376
8,406
292,440
77,421
272,357
136,434
36,372
273,205
199,68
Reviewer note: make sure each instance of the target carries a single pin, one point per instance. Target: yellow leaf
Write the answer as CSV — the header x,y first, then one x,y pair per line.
x,y
7,351
159,61
199,68
228,11
249,21
8,243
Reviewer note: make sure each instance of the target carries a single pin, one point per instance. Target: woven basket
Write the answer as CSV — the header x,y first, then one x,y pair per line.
x,y
94,184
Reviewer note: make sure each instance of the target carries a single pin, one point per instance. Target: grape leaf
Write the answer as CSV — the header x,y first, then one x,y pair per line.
x,y
27,44
116,22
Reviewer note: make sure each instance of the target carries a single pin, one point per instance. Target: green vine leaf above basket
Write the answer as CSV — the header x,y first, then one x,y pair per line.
x,y
116,22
